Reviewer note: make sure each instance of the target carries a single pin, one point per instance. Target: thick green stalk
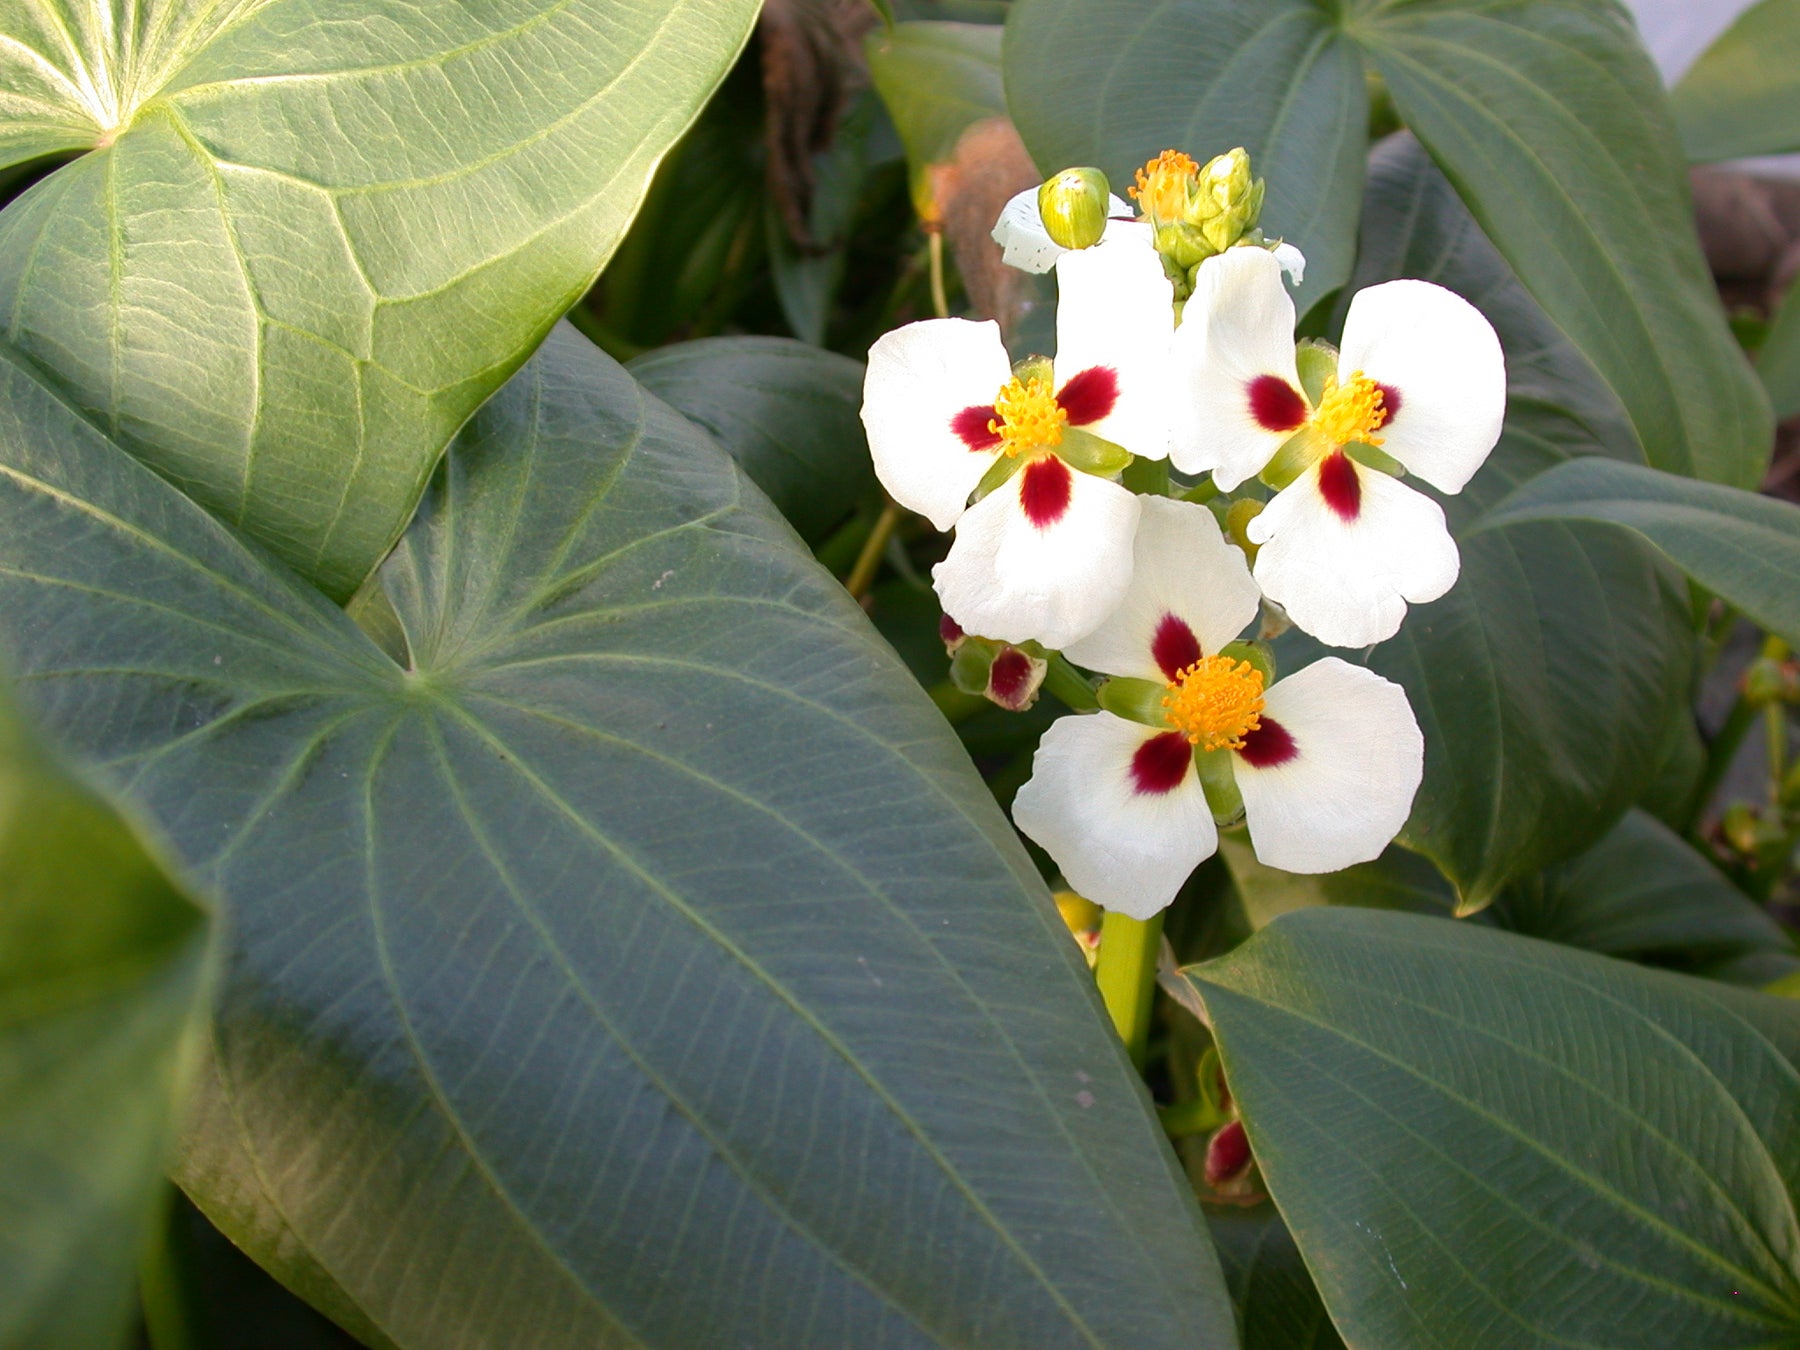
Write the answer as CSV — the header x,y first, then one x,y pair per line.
x,y
1126,974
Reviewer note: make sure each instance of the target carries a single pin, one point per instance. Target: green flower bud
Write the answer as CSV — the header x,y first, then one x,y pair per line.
x,y
1230,198
1073,205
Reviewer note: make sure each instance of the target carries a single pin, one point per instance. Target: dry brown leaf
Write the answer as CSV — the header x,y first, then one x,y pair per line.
x,y
987,168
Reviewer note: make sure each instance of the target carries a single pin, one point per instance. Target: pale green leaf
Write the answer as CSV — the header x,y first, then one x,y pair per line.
x,y
1742,97
937,79
311,236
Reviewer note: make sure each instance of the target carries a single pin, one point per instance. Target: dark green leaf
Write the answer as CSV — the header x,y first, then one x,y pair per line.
x,y
101,955
313,235
1115,82
1278,1304
789,414
1550,120
1398,879
1483,1141
1778,360
937,79
1643,893
1742,546
644,965
1742,97
1545,680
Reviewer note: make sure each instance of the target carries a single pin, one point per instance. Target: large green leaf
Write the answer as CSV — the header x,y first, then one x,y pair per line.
x,y
1549,118
937,79
1643,893
1544,681
1742,97
101,954
644,964
1742,546
311,236
1115,82
1480,1140
789,414
1278,1304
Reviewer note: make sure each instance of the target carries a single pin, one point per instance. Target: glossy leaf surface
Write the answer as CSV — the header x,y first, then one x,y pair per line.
x,y
644,965
1742,97
1481,1140
311,236
1742,546
101,958
789,414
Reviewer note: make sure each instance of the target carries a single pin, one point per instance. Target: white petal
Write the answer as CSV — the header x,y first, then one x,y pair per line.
x,y
1292,261
1121,848
1009,579
920,377
1347,582
1020,232
1237,327
1181,567
1443,358
1348,787
1116,308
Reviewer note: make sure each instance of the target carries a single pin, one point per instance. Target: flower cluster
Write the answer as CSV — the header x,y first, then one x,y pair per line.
x,y
1176,348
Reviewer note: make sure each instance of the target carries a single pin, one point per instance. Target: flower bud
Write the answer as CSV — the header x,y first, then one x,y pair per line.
x,y
1083,918
1228,1158
998,671
1230,199
1073,205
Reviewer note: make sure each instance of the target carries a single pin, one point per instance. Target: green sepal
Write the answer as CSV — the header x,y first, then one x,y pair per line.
x,y
1373,457
970,666
1035,367
1219,782
1257,654
1139,701
1296,455
1082,449
998,472
1317,362
1203,491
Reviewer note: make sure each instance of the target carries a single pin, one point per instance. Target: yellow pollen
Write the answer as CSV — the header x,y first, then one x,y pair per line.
x,y
1215,702
1350,412
1164,186
1030,417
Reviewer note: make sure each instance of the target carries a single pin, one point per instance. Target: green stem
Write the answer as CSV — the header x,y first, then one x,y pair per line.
x,y
862,576
1720,751
1126,974
940,301
1069,685
1775,729
166,1294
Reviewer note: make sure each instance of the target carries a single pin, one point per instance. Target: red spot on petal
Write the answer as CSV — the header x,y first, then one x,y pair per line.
x,y
971,426
1227,1153
1275,404
1161,763
1044,491
1009,679
1089,395
1269,746
1340,485
1390,402
1174,648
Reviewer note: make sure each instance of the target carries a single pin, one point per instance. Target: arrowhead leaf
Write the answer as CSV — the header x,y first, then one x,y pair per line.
x,y
642,965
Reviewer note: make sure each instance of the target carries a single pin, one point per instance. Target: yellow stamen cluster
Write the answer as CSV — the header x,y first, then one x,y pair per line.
x,y
1029,418
1165,185
1215,702
1350,412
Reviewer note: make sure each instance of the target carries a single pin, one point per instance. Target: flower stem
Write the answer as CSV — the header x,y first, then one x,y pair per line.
x,y
1720,751
1068,684
940,301
862,575
1126,974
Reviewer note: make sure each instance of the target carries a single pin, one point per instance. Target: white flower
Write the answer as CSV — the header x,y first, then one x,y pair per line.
x,y
1326,761
1344,547
1024,242
1046,553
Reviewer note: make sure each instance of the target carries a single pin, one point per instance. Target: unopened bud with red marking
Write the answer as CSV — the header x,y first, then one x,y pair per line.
x,y
950,631
1228,1159
1000,672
